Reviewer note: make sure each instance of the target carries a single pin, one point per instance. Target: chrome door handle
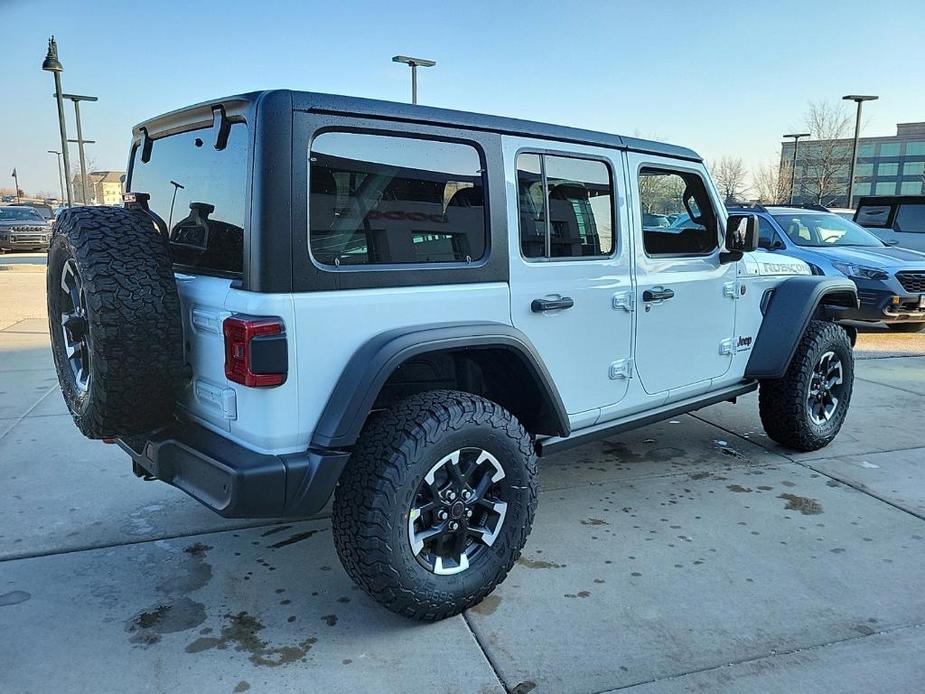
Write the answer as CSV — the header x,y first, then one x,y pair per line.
x,y
540,305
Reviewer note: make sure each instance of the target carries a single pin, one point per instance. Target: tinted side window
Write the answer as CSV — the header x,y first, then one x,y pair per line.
x,y
200,193
662,193
873,215
566,207
910,218
376,199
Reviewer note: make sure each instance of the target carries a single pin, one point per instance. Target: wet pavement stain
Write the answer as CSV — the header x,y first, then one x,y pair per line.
x,y
146,627
277,529
330,619
803,504
14,597
241,631
488,605
197,550
524,687
241,686
539,564
292,539
196,572
579,594
738,488
594,521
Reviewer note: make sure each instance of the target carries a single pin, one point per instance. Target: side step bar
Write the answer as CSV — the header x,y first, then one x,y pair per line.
x,y
556,444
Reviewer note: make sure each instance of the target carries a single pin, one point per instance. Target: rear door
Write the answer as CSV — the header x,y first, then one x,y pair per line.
x,y
685,296
571,285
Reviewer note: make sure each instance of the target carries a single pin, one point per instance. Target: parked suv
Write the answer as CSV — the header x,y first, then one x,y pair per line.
x,y
897,219
23,228
404,306
890,280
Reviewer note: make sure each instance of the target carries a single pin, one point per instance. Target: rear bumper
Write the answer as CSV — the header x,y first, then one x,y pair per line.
x,y
234,481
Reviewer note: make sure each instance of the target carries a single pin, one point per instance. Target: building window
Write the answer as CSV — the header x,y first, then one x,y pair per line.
x,y
378,199
566,207
864,170
889,149
915,148
910,188
887,169
861,189
866,149
888,188
677,216
914,168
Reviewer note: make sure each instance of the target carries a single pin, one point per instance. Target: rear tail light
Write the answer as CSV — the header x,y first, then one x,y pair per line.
x,y
255,351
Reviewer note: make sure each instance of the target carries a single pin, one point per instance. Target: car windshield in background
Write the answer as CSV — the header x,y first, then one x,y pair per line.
x,y
824,230
19,214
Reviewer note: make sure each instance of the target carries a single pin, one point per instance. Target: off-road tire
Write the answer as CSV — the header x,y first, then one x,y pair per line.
x,y
133,322
375,492
905,327
782,403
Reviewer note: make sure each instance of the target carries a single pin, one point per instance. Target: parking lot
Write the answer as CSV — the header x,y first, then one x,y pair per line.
x,y
691,555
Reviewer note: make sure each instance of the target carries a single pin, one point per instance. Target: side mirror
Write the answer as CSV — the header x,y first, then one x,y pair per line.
x,y
741,236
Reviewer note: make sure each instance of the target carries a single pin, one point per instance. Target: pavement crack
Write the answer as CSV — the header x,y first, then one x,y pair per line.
x,y
27,412
766,656
483,648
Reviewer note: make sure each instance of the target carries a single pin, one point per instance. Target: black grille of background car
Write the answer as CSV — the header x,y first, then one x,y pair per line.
x,y
27,229
912,281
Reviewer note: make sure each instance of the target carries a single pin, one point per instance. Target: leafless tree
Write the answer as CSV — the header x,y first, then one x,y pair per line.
x,y
771,182
826,158
729,175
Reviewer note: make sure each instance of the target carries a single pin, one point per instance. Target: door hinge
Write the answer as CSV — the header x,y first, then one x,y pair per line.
x,y
725,347
622,368
731,289
625,301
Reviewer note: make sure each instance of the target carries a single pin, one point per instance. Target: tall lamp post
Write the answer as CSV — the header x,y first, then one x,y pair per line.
x,y
52,65
858,99
793,164
60,175
77,98
414,64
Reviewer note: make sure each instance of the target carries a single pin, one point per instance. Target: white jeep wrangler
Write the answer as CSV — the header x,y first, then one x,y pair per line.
x,y
404,306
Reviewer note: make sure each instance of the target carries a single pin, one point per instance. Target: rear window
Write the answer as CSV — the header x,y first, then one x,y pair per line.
x,y
910,217
200,193
377,200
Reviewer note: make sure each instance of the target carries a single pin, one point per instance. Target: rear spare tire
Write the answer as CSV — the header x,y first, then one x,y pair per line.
x,y
114,320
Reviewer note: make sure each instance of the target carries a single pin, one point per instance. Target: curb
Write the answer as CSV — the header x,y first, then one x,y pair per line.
x,y
22,267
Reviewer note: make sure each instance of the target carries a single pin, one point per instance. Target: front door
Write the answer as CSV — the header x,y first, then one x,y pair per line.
x,y
685,306
571,285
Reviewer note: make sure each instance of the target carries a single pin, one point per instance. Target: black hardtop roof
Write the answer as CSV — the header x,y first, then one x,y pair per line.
x,y
374,108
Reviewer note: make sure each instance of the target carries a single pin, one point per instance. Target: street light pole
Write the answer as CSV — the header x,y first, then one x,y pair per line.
x,y
858,99
60,176
77,98
793,165
414,64
52,65
16,184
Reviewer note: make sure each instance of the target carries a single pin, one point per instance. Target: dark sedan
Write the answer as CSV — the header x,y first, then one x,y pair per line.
x,y
23,229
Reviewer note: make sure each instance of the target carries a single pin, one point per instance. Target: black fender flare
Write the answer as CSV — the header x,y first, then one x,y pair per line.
x,y
792,305
371,365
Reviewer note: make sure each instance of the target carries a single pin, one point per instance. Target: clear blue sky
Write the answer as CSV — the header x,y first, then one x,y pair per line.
x,y
726,78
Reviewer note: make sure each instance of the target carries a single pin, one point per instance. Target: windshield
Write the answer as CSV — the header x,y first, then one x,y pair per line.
x,y
18,214
824,230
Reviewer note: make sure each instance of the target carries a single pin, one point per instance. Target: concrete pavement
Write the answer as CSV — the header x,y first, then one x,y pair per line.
x,y
692,555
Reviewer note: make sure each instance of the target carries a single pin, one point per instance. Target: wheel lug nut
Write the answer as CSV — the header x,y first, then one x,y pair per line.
x,y
466,494
442,515
454,525
451,495
469,513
